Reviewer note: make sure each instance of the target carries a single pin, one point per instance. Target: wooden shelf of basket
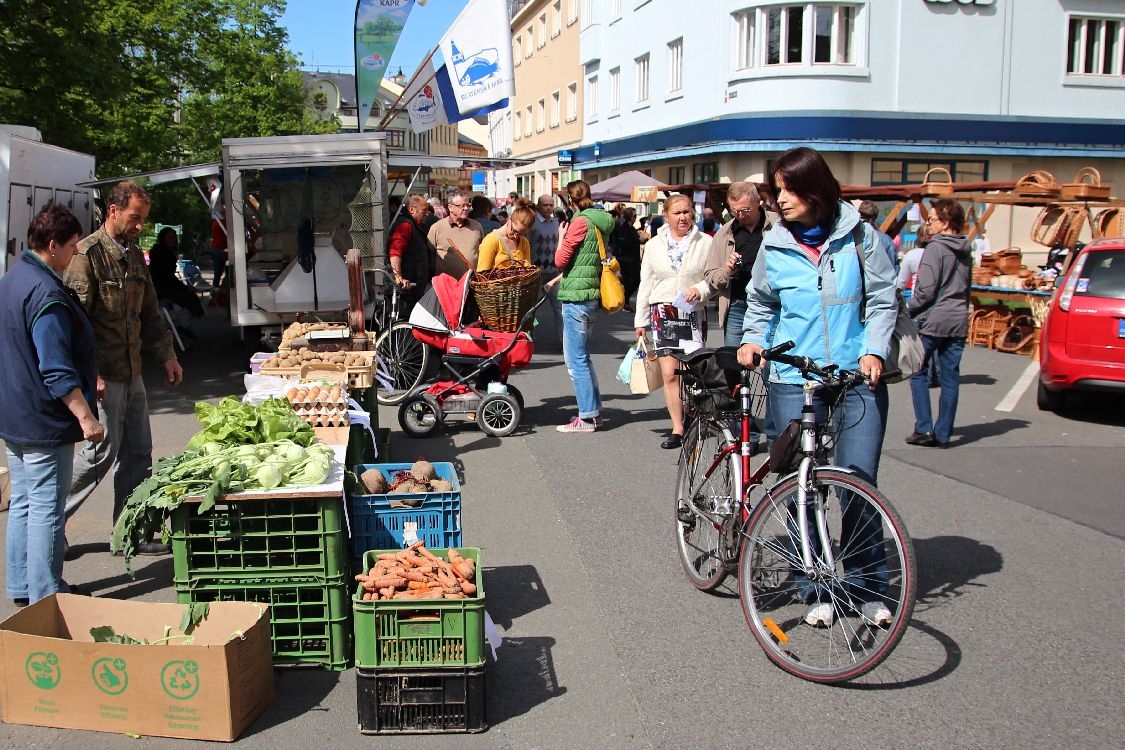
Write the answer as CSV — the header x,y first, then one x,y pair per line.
x,y
1087,184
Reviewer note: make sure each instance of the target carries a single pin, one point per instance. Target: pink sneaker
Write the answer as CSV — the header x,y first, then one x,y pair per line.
x,y
578,425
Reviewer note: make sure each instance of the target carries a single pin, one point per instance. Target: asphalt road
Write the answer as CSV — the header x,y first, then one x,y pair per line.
x,y
1015,642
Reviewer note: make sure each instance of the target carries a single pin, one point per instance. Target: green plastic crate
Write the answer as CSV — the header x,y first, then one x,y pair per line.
x,y
261,537
420,633
362,451
309,623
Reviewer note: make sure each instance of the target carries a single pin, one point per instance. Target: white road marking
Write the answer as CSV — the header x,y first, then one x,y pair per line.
x,y
1027,378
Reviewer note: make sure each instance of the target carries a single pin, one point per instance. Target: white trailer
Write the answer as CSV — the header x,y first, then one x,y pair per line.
x,y
33,174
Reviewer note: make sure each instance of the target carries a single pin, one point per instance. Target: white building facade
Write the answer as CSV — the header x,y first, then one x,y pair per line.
x,y
887,89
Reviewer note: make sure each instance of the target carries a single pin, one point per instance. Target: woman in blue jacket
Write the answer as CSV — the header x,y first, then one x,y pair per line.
x,y
806,288
48,400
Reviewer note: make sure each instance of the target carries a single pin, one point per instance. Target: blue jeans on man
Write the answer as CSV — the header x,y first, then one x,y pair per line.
x,y
578,319
860,424
34,550
946,351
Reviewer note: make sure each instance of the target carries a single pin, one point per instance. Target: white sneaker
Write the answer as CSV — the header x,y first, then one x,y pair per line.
x,y
820,614
877,614
579,425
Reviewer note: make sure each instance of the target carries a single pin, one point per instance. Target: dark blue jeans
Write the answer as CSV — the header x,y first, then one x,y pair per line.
x,y
946,351
863,417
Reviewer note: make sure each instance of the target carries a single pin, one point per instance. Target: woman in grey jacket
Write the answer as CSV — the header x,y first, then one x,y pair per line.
x,y
940,308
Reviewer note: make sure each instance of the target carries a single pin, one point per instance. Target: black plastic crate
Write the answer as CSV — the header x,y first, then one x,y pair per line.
x,y
421,701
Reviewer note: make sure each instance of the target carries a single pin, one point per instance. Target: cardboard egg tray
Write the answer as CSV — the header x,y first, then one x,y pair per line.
x,y
320,402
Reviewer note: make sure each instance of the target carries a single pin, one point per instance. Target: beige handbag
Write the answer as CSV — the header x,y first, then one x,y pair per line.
x,y
645,376
5,488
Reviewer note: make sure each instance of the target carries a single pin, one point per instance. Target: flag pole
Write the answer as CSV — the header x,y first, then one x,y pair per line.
x,y
393,109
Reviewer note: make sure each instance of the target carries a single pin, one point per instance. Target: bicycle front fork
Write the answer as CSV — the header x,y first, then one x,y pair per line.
x,y
804,484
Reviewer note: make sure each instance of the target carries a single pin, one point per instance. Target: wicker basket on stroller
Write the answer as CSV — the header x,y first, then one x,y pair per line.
x,y
505,293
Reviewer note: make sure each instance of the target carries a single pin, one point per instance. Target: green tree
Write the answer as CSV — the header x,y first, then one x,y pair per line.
x,y
153,85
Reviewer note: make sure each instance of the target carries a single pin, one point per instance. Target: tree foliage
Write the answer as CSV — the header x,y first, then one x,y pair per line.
x,y
150,85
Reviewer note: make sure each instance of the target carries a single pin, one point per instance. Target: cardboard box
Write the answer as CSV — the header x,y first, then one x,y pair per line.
x,y
54,675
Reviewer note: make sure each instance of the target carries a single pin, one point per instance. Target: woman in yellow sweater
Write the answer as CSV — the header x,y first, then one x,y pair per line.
x,y
509,241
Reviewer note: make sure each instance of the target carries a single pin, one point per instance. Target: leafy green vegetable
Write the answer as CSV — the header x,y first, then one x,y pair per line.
x,y
194,614
232,422
106,634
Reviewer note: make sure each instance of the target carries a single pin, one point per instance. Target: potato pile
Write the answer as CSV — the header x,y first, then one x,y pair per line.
x,y
421,477
295,358
417,573
300,330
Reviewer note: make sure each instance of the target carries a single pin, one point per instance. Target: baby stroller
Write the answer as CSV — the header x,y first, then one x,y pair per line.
x,y
478,359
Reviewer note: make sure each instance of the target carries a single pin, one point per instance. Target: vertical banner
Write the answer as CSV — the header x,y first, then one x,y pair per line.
x,y
378,25
478,53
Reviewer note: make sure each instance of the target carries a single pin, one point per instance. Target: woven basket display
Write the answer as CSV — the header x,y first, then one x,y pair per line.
x,y
1087,184
1110,223
505,293
1038,184
986,324
937,186
1058,226
982,276
1018,336
1009,263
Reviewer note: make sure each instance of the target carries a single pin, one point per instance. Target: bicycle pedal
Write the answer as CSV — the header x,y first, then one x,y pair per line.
x,y
685,516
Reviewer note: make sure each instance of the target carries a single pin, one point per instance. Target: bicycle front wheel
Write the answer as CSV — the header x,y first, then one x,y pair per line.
x,y
828,623
406,359
707,485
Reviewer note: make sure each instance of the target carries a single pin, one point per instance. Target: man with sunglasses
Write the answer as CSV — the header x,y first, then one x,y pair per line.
x,y
454,240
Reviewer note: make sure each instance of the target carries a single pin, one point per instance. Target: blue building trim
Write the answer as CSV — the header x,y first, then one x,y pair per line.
x,y
842,131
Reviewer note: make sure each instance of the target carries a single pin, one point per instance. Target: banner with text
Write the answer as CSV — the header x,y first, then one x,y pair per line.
x,y
378,25
478,52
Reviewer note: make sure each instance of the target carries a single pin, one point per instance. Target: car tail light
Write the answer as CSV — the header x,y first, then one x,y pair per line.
x,y
1071,282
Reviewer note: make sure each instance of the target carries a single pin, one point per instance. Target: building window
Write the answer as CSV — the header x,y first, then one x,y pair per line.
x,y
555,109
529,41
675,175
572,102
541,116
615,89
396,138
517,50
591,97
542,31
705,172
572,12
587,13
676,65
641,71
1094,47
527,121
556,18
913,171
517,126
809,33
744,39
614,9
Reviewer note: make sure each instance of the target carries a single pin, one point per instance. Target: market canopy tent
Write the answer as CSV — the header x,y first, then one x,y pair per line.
x,y
620,187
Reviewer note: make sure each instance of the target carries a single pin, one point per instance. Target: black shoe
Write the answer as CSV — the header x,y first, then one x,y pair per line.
x,y
921,438
21,601
154,548
937,444
672,441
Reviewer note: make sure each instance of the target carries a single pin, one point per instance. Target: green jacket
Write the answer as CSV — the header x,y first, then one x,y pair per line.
x,y
581,279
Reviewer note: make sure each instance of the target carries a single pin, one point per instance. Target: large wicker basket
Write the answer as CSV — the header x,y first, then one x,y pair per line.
x,y
505,293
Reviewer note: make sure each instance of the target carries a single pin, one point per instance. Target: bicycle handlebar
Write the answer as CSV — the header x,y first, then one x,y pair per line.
x,y
830,375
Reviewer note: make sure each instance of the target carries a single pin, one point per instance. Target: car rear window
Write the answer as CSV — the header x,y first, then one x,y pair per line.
x,y
1103,274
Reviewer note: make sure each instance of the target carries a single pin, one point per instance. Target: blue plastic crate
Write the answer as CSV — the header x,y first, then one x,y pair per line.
x,y
376,525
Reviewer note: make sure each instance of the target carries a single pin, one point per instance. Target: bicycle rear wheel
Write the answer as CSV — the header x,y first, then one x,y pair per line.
x,y
873,566
406,358
706,495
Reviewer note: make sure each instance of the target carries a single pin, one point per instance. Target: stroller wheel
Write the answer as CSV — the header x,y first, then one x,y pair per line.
x,y
420,415
515,393
406,359
498,414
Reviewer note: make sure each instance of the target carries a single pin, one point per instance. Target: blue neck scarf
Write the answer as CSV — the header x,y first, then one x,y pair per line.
x,y
814,235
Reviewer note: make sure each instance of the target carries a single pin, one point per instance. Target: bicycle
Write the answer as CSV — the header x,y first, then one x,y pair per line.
x,y
826,569
403,361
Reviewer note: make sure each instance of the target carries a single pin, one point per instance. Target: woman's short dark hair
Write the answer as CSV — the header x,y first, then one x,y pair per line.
x,y
950,213
164,233
579,194
53,222
807,175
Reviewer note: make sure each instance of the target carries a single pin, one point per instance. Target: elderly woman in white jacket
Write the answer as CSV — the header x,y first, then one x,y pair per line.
x,y
673,263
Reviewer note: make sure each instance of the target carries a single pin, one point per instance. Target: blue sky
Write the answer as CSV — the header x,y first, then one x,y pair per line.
x,y
321,33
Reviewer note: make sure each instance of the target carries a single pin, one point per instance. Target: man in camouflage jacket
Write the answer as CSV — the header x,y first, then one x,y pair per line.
x,y
112,281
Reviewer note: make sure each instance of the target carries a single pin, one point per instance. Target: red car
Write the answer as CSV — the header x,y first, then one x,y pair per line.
x,y
1082,344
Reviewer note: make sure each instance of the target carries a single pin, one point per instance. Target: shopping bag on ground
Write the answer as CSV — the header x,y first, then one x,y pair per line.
x,y
645,376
